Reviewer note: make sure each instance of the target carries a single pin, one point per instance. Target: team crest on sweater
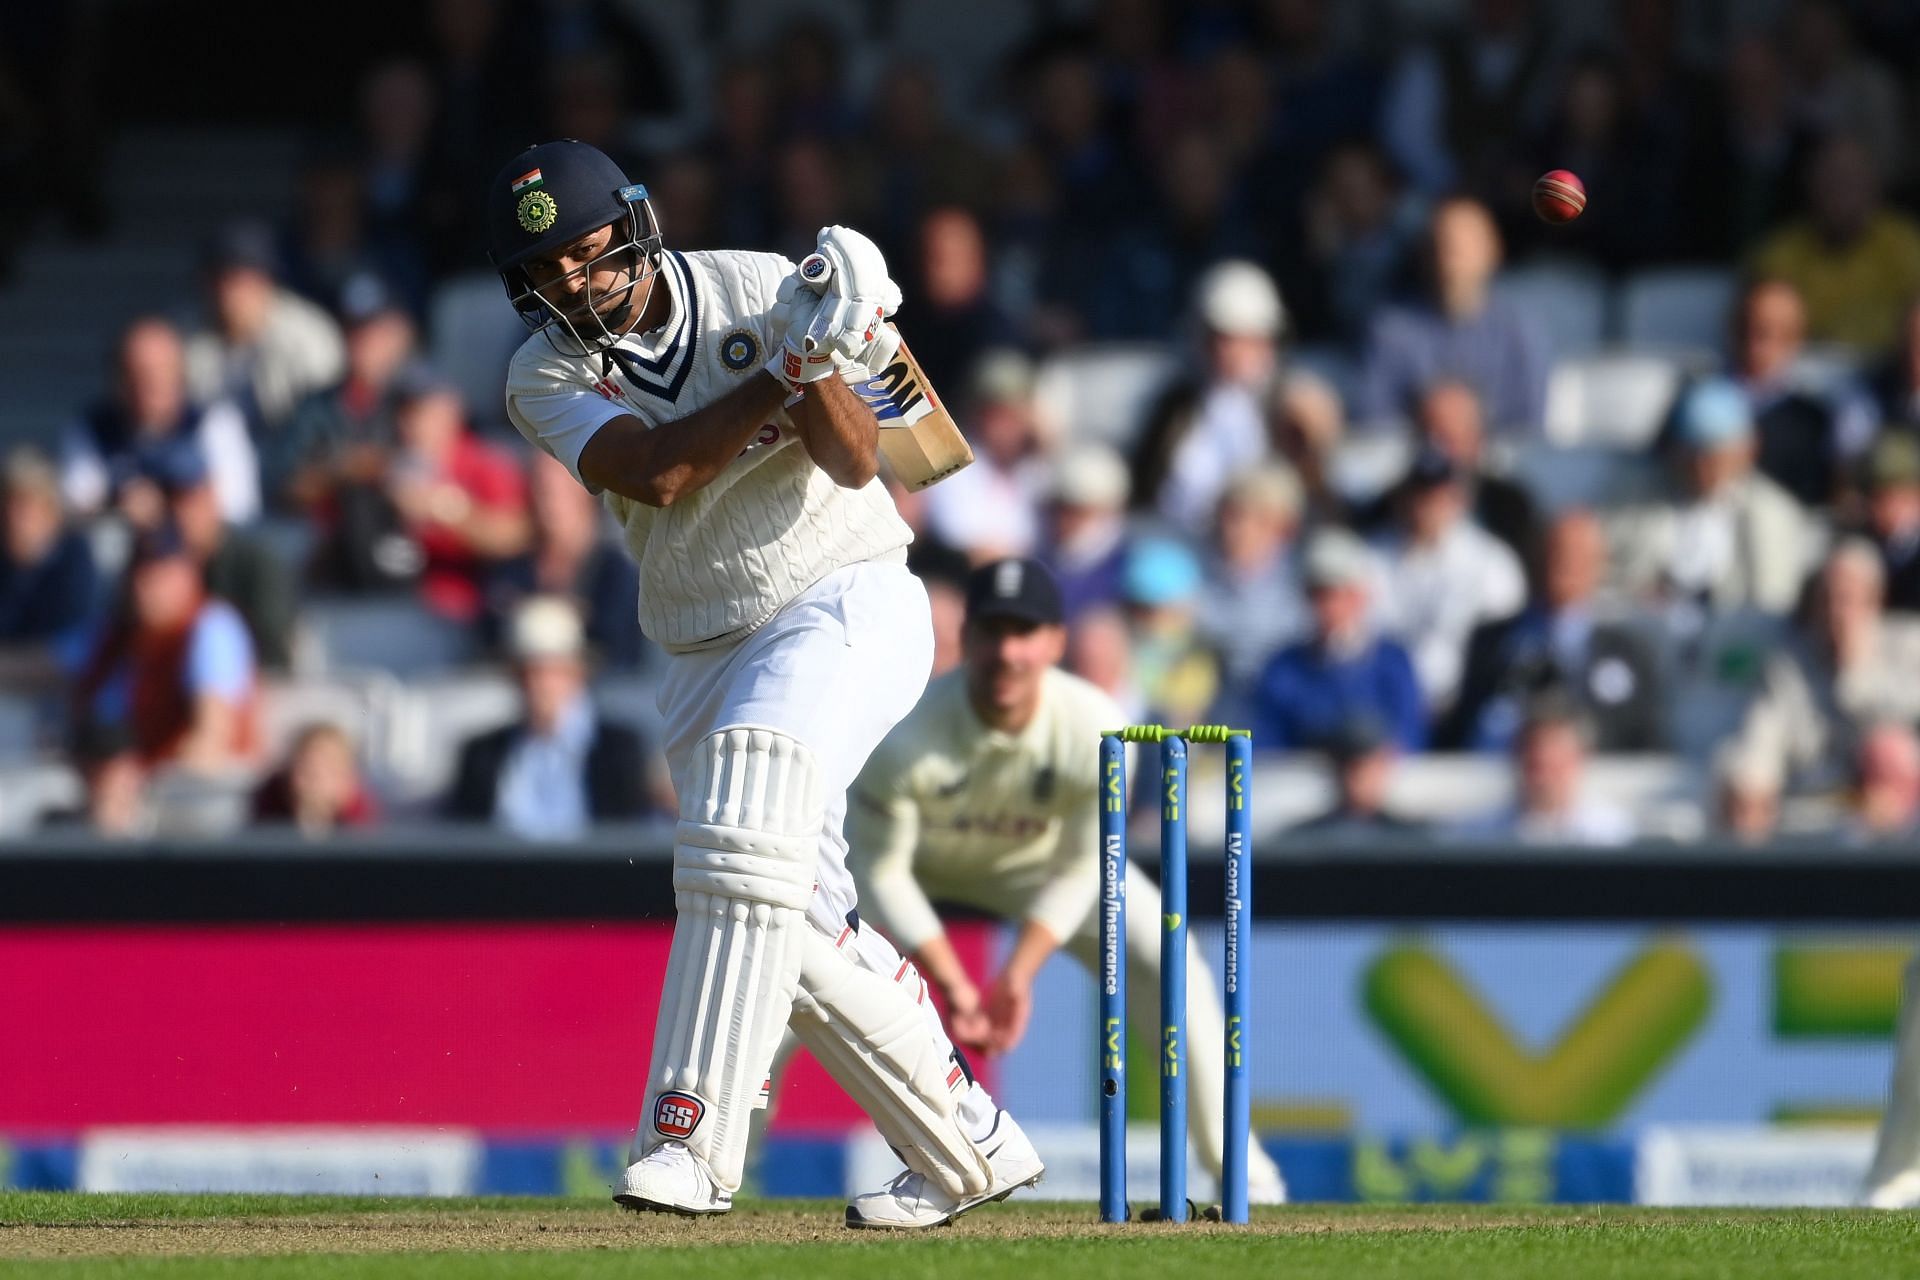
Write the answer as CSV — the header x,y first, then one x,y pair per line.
x,y
740,351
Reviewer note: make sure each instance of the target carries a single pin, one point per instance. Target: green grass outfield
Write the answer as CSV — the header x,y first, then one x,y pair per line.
x,y
44,1236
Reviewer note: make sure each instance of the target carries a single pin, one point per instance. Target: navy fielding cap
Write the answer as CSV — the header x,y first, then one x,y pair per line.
x,y
1024,590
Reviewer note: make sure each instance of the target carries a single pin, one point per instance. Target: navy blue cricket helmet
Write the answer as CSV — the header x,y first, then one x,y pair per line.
x,y
546,198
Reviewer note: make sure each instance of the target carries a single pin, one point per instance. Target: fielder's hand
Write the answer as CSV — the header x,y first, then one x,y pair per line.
x,y
967,1022
1009,1006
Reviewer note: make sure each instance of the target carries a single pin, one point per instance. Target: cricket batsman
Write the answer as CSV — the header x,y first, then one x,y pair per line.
x,y
986,796
705,397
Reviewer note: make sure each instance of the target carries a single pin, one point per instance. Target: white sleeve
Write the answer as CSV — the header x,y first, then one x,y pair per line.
x,y
1504,584
83,472
555,412
883,829
1073,873
232,461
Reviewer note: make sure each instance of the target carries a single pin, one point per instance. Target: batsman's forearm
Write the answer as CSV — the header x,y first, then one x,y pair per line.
x,y
662,464
840,432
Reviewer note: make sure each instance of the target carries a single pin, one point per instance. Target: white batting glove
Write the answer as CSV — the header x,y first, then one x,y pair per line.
x,y
792,363
859,268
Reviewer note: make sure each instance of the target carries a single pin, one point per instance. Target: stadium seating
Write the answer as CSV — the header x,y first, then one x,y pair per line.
x,y
1593,476
1569,302
1101,392
474,334
1683,309
1616,400
1658,791
384,633
430,719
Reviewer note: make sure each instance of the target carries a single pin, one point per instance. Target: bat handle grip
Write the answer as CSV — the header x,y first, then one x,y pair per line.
x,y
816,272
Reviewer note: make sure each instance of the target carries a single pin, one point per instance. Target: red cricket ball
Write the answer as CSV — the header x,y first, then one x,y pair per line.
x,y
1559,196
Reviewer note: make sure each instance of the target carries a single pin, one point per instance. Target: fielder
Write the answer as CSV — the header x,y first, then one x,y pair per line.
x,y
703,396
986,796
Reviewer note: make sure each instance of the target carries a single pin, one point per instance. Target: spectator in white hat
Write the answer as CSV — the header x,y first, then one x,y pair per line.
x,y
1086,526
562,767
1204,430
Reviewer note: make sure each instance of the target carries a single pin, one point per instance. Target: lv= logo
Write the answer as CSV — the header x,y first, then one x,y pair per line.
x,y
1624,1036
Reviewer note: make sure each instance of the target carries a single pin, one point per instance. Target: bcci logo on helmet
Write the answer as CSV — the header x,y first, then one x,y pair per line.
x,y
677,1115
537,212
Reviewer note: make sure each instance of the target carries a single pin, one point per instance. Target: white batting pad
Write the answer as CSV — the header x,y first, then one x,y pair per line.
x,y
744,864
870,1031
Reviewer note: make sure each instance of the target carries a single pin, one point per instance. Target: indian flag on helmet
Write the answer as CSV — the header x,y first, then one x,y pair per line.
x,y
531,178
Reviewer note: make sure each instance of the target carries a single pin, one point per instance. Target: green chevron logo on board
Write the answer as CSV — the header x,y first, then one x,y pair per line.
x,y
1618,1043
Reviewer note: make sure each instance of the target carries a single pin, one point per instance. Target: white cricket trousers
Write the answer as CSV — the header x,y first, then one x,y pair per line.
x,y
835,669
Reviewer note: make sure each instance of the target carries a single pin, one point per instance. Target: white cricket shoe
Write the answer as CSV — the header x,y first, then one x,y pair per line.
x,y
669,1179
911,1203
1902,1191
1264,1183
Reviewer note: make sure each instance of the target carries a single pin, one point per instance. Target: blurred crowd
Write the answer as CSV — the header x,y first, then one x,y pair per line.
x,y
1290,238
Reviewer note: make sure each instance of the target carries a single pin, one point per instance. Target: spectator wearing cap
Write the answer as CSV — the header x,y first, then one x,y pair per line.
x,y
146,408
1805,439
461,502
1254,602
175,669
1458,330
1562,641
989,510
1892,515
1855,260
1847,666
1442,575
1203,430
1449,419
1721,535
48,583
1176,667
262,346
319,790
571,558
561,767
235,566
1886,796
1895,382
1362,757
1552,805
1343,671
343,436
1085,519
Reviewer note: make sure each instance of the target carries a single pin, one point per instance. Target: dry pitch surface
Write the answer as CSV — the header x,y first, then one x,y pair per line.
x,y
49,1236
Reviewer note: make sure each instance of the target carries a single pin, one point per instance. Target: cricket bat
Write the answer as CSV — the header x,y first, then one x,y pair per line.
x,y
918,437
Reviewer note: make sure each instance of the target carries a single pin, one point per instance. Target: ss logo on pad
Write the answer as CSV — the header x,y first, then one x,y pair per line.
x,y
677,1115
